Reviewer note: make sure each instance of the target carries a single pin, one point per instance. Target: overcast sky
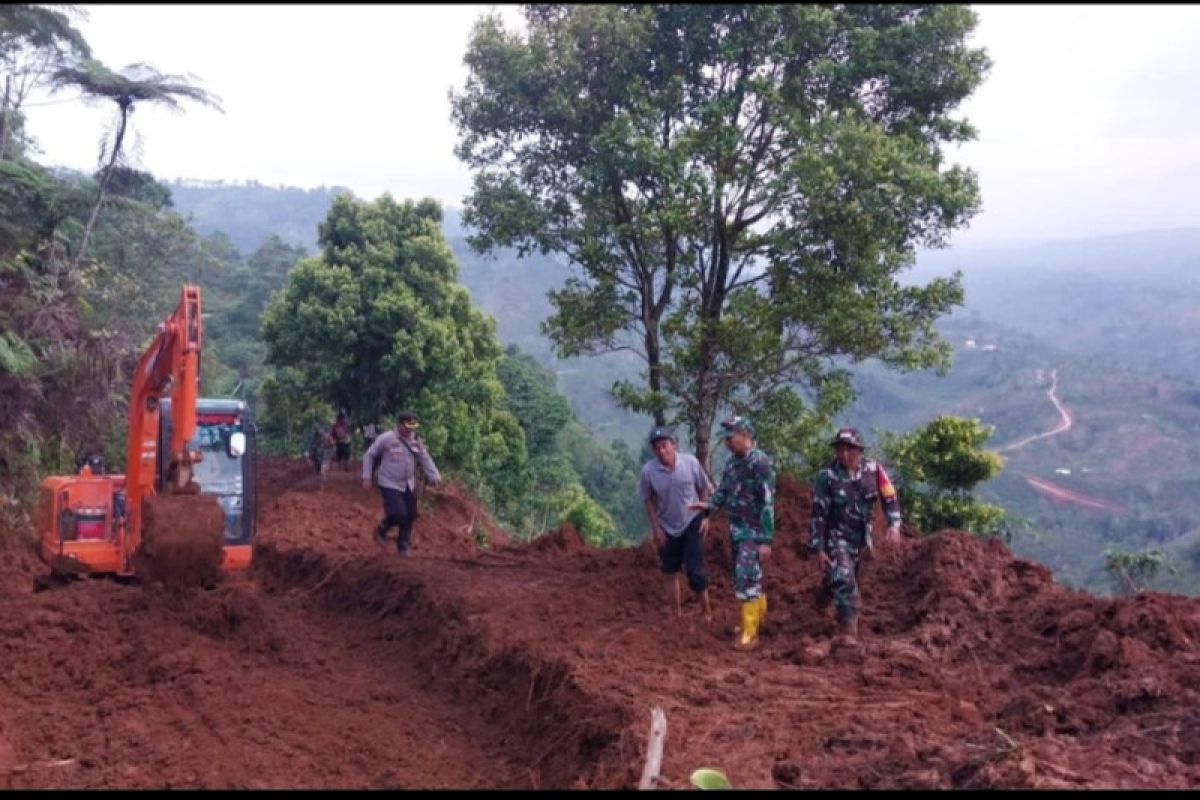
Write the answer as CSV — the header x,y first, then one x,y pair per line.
x,y
1089,122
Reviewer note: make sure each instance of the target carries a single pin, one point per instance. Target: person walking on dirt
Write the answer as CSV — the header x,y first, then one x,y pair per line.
x,y
318,448
669,483
340,433
748,490
844,494
398,453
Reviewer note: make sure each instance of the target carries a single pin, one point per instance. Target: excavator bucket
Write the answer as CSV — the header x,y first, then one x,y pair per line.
x,y
182,539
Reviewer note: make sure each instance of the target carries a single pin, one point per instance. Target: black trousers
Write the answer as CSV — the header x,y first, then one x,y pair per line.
x,y
686,550
400,511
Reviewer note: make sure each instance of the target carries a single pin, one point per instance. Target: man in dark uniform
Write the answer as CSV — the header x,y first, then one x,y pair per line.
x,y
399,452
844,495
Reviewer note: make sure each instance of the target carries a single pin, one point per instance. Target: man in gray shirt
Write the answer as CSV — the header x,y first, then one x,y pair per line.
x,y
669,483
398,452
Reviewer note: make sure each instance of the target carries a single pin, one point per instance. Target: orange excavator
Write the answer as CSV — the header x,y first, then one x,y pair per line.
x,y
157,521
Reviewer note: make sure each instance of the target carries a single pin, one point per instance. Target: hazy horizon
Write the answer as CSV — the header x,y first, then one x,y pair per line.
x,y
1081,129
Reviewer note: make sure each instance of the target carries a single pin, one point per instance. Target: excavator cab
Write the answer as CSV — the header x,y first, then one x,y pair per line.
x,y
226,438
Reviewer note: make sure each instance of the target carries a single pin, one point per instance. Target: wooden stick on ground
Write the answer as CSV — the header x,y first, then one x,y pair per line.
x,y
654,750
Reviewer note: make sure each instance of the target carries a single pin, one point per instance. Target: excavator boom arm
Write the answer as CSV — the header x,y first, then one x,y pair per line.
x,y
170,366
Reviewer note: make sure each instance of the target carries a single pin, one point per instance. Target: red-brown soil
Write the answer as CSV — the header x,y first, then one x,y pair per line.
x,y
335,663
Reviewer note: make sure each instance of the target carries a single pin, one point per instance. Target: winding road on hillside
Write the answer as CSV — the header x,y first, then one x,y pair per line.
x,y
1063,426
1052,490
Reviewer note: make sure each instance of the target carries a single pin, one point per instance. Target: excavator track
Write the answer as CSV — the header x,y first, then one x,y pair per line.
x,y
182,540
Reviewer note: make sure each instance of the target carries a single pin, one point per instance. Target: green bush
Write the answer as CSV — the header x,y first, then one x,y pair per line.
x,y
936,469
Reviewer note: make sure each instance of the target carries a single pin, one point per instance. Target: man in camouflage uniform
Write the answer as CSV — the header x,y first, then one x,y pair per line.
x,y
843,497
748,491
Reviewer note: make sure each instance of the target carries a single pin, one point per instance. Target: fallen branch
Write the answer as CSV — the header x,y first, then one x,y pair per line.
x,y
654,749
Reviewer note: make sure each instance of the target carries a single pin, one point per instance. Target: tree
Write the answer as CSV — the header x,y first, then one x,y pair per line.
x,y
378,323
530,396
136,83
236,323
737,186
1134,572
937,469
35,42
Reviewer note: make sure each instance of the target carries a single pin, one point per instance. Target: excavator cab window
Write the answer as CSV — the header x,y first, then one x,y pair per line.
x,y
221,439
225,439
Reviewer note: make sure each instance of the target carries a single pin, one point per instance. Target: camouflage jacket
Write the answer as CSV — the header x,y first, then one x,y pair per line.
x,y
748,491
842,504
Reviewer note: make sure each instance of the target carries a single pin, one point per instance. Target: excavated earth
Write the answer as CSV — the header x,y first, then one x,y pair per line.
x,y
335,663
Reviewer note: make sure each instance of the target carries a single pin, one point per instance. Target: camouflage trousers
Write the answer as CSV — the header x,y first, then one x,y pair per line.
x,y
747,571
841,578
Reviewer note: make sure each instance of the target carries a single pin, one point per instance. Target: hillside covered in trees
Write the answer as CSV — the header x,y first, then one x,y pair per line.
x,y
996,379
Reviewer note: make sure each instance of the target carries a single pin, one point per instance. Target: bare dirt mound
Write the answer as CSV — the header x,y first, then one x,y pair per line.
x,y
562,541
336,512
338,663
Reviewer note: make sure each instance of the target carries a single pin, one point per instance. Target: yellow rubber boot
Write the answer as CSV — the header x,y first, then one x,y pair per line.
x,y
751,615
761,601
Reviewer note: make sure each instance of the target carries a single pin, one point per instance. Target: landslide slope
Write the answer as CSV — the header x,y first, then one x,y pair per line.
x,y
334,663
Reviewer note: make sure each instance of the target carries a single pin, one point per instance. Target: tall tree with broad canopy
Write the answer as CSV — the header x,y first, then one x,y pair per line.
x,y
379,323
736,186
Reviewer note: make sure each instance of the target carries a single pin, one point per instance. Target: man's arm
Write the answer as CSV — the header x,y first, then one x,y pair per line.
x,y
646,492
766,512
652,514
428,467
889,501
369,458
820,513
721,495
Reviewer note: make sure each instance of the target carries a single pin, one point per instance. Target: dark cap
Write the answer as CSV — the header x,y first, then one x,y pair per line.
x,y
735,425
662,433
849,436
407,418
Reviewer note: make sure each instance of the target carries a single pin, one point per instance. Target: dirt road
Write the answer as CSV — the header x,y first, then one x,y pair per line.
x,y
1062,427
1061,494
